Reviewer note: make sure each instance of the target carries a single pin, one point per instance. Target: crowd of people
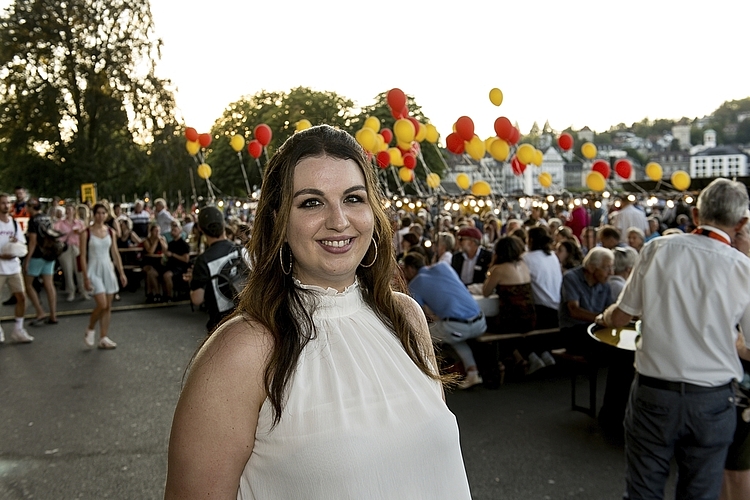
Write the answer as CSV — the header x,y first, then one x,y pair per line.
x,y
339,353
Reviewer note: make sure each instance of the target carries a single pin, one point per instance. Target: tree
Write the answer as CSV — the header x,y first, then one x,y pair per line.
x,y
280,111
79,98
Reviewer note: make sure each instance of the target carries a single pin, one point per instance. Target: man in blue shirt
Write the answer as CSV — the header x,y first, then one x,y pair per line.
x,y
456,316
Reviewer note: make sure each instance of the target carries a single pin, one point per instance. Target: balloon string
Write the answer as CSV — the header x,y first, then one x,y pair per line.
x,y
244,173
399,184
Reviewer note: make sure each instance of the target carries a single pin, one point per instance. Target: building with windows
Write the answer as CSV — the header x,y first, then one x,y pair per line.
x,y
671,161
721,161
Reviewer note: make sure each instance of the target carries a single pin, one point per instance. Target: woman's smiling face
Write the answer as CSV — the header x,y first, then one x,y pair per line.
x,y
330,223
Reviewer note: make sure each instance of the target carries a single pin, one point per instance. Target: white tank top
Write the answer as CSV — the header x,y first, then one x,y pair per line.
x,y
361,421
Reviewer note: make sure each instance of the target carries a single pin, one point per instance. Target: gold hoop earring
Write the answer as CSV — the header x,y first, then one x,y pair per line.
x,y
281,261
376,255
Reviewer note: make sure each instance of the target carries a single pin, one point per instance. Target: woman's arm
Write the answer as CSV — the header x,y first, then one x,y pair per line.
x,y
490,283
213,431
150,247
84,247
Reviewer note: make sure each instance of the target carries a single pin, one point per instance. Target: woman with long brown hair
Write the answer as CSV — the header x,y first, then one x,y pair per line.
x,y
323,384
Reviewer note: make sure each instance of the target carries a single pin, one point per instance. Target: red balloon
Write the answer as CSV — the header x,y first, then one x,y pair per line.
x,y
255,148
454,143
387,135
517,166
465,128
515,135
601,166
565,141
204,140
414,122
409,161
503,128
191,134
384,159
263,133
624,168
396,99
397,115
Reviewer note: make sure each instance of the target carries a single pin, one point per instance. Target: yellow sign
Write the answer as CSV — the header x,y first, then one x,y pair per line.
x,y
88,193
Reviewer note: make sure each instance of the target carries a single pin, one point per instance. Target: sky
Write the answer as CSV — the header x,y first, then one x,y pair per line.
x,y
574,63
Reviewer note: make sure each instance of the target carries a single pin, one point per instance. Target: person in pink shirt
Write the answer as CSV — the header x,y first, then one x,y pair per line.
x,y
71,228
578,219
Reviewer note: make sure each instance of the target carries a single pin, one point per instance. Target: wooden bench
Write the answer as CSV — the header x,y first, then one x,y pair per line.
x,y
579,365
498,338
494,337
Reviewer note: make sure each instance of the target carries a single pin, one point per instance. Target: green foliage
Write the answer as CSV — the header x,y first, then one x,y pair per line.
x,y
79,99
280,111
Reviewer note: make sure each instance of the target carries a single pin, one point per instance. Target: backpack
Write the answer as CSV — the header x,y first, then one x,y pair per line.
x,y
228,277
48,239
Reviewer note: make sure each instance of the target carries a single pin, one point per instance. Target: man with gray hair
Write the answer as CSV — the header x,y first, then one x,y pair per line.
x,y
691,291
625,258
584,294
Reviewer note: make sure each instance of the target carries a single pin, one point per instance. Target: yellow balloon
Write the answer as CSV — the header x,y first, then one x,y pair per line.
x,y
366,138
204,171
538,158
545,179
406,174
404,131
496,97
380,144
654,171
237,142
463,181
432,134
303,124
595,181
500,150
192,147
397,160
372,123
488,142
681,180
525,153
421,133
588,150
475,148
481,188
433,180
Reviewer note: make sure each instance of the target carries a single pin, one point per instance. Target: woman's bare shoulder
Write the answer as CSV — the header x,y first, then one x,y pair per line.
x,y
239,341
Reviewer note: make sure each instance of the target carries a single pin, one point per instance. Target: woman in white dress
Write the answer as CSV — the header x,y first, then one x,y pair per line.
x,y
99,257
323,384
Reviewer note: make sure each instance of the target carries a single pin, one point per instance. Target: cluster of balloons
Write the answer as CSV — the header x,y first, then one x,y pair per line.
x,y
596,180
196,142
407,132
263,136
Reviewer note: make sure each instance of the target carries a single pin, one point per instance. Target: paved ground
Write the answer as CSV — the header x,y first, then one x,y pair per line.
x,y
95,424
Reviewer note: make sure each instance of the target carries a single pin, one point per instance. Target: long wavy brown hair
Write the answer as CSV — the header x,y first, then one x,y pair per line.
x,y
270,297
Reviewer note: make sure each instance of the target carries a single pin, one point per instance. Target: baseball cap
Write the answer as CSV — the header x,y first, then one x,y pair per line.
x,y
211,221
470,232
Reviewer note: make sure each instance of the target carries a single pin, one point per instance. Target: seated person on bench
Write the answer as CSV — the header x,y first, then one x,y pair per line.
x,y
456,315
